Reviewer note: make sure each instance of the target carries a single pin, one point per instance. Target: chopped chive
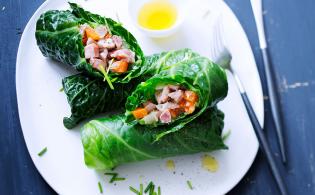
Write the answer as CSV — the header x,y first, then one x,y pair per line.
x,y
189,184
114,174
106,77
133,190
226,135
114,79
116,179
42,152
159,190
151,192
61,89
141,189
100,187
148,187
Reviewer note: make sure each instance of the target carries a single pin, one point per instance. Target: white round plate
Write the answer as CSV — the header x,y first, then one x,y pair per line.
x,y
42,107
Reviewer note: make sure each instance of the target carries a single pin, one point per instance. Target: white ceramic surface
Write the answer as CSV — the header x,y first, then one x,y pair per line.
x,y
42,107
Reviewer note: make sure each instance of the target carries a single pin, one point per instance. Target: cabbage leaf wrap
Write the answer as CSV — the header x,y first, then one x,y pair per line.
x,y
109,142
89,96
198,74
58,37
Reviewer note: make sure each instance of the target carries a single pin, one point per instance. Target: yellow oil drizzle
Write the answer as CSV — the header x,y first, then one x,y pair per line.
x,y
157,15
210,163
170,165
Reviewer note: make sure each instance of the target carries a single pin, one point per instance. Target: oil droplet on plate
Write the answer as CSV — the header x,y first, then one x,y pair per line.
x,y
157,15
170,165
210,163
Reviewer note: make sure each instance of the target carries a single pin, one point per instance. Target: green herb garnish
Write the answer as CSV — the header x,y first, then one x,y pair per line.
x,y
134,190
106,77
226,135
115,177
100,187
151,192
113,174
141,189
148,187
189,184
42,152
159,190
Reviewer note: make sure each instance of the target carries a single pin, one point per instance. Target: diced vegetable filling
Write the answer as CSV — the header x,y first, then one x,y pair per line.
x,y
170,102
105,52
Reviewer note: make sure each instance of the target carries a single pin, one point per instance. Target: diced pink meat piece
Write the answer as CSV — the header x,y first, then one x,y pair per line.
x,y
167,106
173,87
158,114
124,54
163,96
98,63
176,95
118,41
159,87
165,117
101,31
91,51
150,106
90,41
104,54
151,118
106,43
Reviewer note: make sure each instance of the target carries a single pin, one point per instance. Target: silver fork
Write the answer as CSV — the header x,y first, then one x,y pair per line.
x,y
222,56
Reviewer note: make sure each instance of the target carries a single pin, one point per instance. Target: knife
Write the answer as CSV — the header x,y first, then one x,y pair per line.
x,y
273,95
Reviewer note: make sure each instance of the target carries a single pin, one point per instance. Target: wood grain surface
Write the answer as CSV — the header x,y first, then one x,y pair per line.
x,y
290,28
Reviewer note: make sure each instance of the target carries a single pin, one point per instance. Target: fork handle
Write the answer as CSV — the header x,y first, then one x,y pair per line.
x,y
274,102
264,144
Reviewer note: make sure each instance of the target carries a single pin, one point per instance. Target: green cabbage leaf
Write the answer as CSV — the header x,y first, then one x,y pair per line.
x,y
109,142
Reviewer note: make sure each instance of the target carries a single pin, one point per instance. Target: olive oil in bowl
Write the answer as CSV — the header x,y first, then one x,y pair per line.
x,y
157,15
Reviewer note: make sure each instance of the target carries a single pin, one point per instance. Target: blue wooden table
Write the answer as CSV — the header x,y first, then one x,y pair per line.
x,y
290,28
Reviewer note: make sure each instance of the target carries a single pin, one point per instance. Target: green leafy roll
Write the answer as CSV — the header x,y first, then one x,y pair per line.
x,y
179,93
88,96
109,142
90,43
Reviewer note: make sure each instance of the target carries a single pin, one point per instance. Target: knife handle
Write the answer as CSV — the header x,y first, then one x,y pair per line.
x,y
274,103
264,145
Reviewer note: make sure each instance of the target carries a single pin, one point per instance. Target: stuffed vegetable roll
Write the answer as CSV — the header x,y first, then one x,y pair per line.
x,y
109,142
89,96
90,43
178,94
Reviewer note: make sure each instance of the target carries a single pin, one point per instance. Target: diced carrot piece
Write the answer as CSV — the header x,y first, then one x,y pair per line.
x,y
190,107
108,35
121,67
191,96
182,103
139,113
176,112
90,32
